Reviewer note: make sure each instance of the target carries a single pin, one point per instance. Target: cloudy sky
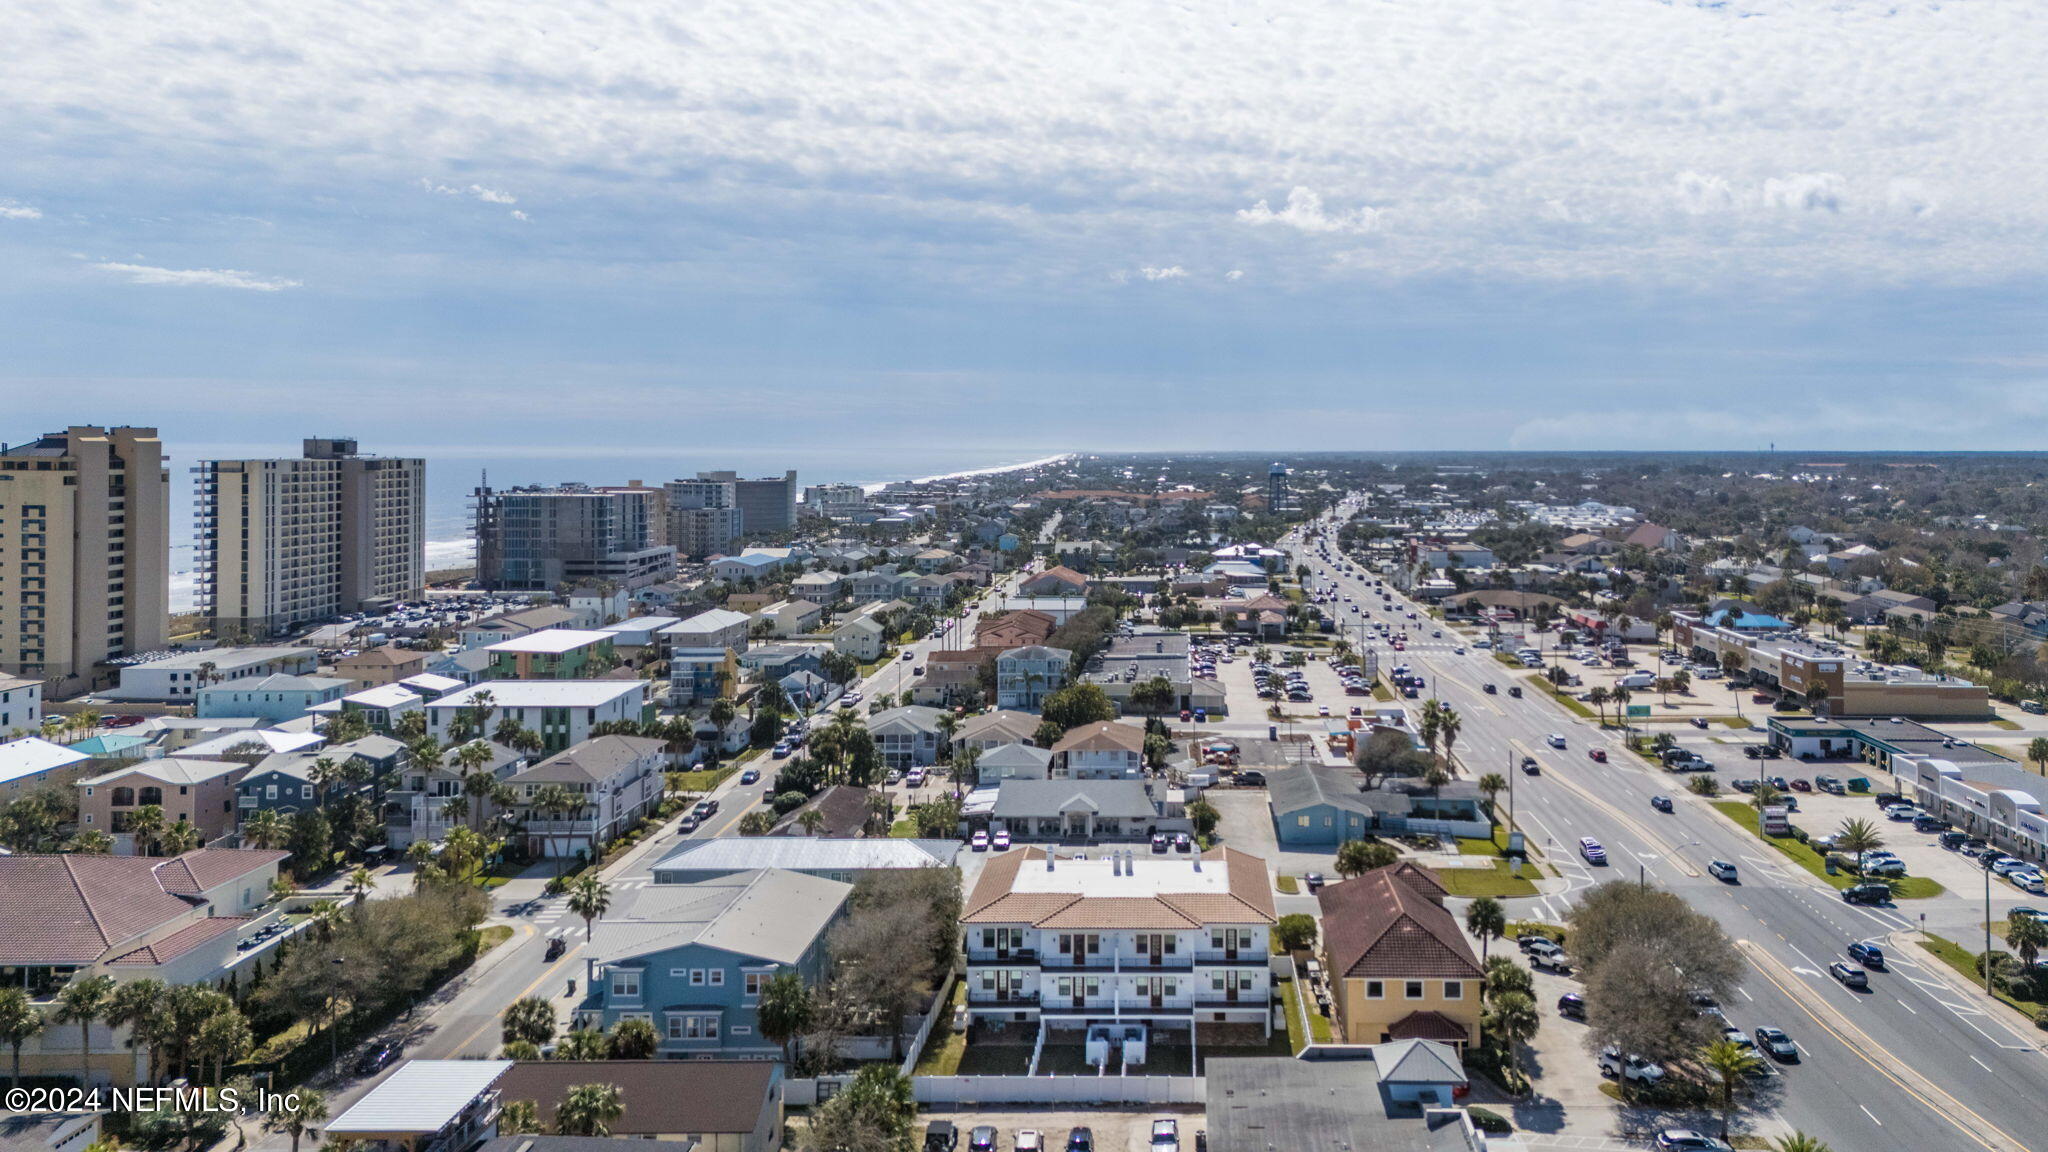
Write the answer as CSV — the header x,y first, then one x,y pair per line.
x,y
655,225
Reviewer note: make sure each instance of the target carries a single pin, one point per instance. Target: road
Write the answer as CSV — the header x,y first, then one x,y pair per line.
x,y
1915,1063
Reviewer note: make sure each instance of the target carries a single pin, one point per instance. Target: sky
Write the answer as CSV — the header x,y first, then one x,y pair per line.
x,y
648,229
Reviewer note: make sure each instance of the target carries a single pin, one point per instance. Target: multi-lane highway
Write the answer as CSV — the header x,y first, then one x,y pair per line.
x,y
1917,1062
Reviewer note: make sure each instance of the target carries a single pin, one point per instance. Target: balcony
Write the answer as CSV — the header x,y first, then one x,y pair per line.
x,y
1016,999
1002,955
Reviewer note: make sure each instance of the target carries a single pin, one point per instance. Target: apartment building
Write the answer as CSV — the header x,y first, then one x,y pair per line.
x,y
1403,967
283,542
538,539
615,780
766,505
1170,943
562,711
703,516
84,554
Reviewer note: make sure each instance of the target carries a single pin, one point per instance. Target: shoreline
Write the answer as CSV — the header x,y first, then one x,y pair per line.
x,y
877,486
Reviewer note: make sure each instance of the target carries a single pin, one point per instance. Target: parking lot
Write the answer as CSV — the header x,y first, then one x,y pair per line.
x,y
1325,689
1115,1129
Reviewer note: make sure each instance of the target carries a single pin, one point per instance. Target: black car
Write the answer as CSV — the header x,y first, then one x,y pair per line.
x,y
376,1059
1572,1006
1249,780
1866,894
1491,690
1953,840
1080,1140
941,1136
1530,766
1776,1044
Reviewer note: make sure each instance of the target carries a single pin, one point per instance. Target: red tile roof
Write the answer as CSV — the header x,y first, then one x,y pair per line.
x,y
182,941
72,909
1429,1026
1382,924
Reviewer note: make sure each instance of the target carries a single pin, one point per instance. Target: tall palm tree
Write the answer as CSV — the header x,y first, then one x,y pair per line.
x,y
86,999
360,882
294,1112
1598,699
2026,936
146,824
90,842
552,802
1487,919
1731,1064
20,1022
324,774
590,898
786,1011
1449,724
139,1006
1492,785
1800,1142
1621,696
589,1110
2037,753
223,1039
264,828
477,782
1513,1020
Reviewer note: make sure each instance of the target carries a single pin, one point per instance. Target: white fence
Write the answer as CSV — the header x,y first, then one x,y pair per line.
x,y
975,1090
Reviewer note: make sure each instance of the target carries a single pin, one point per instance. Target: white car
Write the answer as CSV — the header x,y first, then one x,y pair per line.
x,y
1001,842
980,842
1613,1063
1555,740
1166,1135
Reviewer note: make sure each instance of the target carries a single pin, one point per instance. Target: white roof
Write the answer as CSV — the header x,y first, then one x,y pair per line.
x,y
177,769
1148,876
225,659
429,682
711,620
383,696
544,693
640,624
807,853
271,739
26,757
550,641
422,1096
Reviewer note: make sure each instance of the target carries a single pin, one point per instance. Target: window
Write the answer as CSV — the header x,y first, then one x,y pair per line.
x,y
1375,990
626,983
696,977
1454,990
1414,990
756,981
718,977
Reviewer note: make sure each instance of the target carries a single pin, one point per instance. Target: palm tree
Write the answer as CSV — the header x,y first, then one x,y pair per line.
x,y
632,1039
2037,753
20,1022
139,1006
1620,696
1449,724
588,1110
90,842
294,1112
552,802
1801,1142
1488,920
477,783
324,774
1859,836
180,838
84,1000
531,1019
518,1117
1492,785
786,1011
146,824
2026,936
1730,1063
224,1038
757,823
264,828
1513,1020
582,1044
590,898
1598,699
1357,857
811,819
360,882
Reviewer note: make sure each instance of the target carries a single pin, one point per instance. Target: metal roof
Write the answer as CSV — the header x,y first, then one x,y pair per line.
x,y
807,854
422,1097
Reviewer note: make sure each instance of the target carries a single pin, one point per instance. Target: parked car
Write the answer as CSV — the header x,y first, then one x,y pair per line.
x,y
1313,881
1830,785
1166,1135
1850,975
378,1058
1080,1140
982,1139
1629,1067
1000,842
1687,1140
1867,894
1572,1006
941,1136
1952,840
980,841
1028,1140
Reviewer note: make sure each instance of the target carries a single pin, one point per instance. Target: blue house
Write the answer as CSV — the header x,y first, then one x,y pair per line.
x,y
1321,807
692,959
276,698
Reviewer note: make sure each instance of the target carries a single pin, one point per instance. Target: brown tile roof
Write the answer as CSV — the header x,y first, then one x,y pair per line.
x,y
1429,1026
1103,736
71,909
1061,573
182,941
1024,626
700,1097
1380,925
1248,880
387,656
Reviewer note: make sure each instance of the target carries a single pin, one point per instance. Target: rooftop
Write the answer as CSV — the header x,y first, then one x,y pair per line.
x,y
808,853
226,659
33,754
766,913
552,641
1259,1104
1221,886
543,693
704,1097
70,909
420,1098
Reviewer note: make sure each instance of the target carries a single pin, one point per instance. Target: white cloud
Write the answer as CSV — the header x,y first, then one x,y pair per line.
x,y
1806,191
518,215
197,277
1234,275
1176,272
16,210
487,195
1305,211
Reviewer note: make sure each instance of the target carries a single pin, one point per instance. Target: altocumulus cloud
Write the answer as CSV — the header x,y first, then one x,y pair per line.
x,y
1304,210
197,277
16,210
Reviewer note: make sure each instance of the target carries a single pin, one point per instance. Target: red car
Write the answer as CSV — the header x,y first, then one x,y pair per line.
x,y
1759,698
120,721
1599,754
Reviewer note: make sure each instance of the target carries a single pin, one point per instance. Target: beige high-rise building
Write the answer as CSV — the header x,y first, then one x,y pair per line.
x,y
287,542
85,560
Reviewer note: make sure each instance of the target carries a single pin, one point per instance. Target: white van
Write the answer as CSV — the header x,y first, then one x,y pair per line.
x,y
1636,680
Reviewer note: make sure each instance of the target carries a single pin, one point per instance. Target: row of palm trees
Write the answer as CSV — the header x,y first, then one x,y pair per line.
x,y
186,1028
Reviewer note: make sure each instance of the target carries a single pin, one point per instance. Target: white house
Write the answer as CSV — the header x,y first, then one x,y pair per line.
x,y
1127,938
616,779
791,617
822,587
1026,676
177,679
21,705
562,711
1013,762
714,628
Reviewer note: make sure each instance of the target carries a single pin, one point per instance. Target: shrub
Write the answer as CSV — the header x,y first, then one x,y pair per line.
x,y
1490,1122
1295,930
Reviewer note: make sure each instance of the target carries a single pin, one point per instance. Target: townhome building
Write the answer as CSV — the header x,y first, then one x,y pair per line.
x,y
32,762
21,705
715,628
845,859
289,782
378,666
791,617
907,737
552,654
177,679
1174,944
860,638
1026,676
878,584
693,959
996,727
563,712
1012,762
821,587
417,805
614,779
186,788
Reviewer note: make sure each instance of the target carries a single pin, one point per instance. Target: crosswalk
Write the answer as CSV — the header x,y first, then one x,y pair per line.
x,y
555,919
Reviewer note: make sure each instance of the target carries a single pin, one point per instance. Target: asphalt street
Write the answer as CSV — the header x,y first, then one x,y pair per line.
x,y
1917,1062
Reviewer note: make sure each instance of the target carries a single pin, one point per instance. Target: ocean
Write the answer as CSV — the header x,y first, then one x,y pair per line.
x,y
454,474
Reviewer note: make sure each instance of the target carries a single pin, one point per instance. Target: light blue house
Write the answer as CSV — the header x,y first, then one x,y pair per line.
x,y
276,698
692,959
1321,807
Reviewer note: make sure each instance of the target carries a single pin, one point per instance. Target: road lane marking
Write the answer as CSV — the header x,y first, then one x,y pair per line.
x,y
1914,1011
1872,1115
1980,1064
1898,1072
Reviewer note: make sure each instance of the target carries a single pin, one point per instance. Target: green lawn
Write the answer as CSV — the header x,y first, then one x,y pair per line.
x,y
1736,721
2008,725
1287,884
1964,962
1740,811
1382,693
700,781
905,828
1495,881
1318,1024
944,1048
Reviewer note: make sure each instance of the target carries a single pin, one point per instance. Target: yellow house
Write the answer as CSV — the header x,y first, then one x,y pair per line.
x,y
1400,967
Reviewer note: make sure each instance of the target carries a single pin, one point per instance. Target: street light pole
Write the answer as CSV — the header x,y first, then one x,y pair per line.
x,y
1986,963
